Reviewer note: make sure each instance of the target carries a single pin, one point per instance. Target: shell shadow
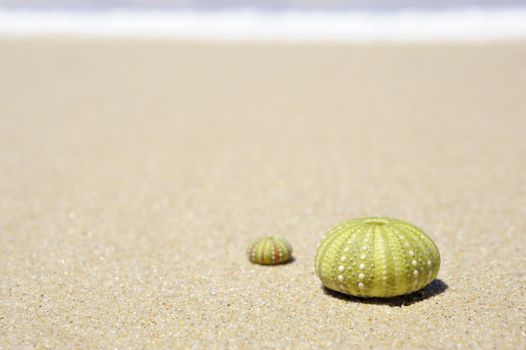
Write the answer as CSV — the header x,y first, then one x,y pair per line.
x,y
434,288
290,261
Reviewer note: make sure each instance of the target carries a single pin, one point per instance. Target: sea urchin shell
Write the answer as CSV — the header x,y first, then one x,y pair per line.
x,y
270,251
376,257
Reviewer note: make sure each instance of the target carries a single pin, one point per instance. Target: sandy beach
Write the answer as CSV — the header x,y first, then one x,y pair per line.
x,y
133,175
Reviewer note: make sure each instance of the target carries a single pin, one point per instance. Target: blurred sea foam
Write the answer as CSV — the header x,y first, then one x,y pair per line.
x,y
268,5
269,20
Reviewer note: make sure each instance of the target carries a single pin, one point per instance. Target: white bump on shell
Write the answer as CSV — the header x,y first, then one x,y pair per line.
x,y
361,276
340,278
341,268
342,259
363,256
412,253
362,266
413,262
361,285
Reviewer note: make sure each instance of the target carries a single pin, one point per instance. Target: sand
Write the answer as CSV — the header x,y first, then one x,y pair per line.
x,y
134,174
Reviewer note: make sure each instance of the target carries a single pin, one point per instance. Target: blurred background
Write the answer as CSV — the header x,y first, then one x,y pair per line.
x,y
294,20
267,4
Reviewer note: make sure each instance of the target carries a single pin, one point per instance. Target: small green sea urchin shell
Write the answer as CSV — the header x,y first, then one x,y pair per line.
x,y
270,251
376,257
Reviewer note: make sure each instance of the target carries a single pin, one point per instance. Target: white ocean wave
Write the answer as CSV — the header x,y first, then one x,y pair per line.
x,y
469,24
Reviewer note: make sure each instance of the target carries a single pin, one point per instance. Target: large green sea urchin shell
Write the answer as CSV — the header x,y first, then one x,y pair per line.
x,y
376,257
270,251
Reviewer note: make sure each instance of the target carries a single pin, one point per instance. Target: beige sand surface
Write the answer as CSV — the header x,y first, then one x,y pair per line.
x,y
134,174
